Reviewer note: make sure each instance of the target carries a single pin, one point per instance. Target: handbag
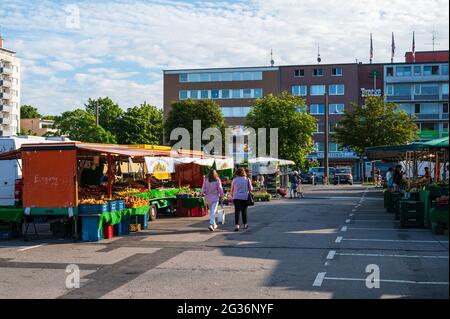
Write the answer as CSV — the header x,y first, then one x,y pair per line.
x,y
221,215
251,198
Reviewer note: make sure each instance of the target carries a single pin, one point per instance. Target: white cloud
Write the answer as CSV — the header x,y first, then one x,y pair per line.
x,y
122,46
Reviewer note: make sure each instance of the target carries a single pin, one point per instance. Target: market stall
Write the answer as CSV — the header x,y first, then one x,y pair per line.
x,y
417,203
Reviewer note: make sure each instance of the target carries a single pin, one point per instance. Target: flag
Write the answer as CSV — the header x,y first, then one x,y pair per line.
x,y
371,49
414,49
393,48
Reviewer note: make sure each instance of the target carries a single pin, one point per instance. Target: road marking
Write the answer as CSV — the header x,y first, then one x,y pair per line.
x,y
31,247
319,279
353,210
396,229
390,255
331,254
338,239
376,220
326,264
348,221
344,228
387,280
351,214
395,240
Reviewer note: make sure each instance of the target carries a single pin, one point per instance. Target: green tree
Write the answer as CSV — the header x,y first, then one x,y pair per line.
x,y
295,126
29,112
140,125
183,114
26,132
108,112
375,124
79,125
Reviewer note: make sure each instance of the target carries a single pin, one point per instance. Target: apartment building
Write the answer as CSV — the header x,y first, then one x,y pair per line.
x,y
9,92
38,127
421,90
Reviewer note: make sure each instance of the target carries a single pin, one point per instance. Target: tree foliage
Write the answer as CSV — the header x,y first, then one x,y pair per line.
x,y
29,112
295,126
375,124
109,112
140,125
183,114
79,125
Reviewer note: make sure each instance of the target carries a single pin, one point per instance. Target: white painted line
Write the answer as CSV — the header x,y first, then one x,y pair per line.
x,y
338,239
397,240
344,228
353,210
376,220
348,221
326,264
331,254
319,279
390,281
391,255
395,229
351,214
31,247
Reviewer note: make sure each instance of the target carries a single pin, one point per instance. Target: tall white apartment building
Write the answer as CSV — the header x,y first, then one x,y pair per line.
x,y
9,92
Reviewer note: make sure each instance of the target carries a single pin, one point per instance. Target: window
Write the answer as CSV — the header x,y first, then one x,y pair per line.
x,y
247,76
318,72
320,128
417,70
336,71
204,94
444,88
403,71
317,89
247,93
194,77
215,77
416,108
226,77
390,71
225,94
333,127
257,93
257,76
214,94
236,94
428,126
204,77
317,109
183,77
336,108
402,89
444,68
445,108
429,108
239,111
237,76
183,95
194,94
426,89
389,89
299,90
299,73
336,89
431,70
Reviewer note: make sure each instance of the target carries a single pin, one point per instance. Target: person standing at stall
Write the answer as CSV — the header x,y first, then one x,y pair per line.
x,y
213,191
241,187
390,178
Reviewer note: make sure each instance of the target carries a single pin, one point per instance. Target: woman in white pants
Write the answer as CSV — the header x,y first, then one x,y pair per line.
x,y
213,191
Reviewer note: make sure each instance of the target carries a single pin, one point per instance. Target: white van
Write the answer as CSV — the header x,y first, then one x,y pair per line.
x,y
11,170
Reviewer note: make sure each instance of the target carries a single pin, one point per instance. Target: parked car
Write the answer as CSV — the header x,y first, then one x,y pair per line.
x,y
343,175
307,178
319,173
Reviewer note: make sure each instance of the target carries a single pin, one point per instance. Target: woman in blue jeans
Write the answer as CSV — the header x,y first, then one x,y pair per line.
x,y
241,186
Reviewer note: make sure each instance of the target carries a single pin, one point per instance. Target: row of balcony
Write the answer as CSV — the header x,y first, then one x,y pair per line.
x,y
5,120
5,83
6,70
6,108
5,96
421,97
432,134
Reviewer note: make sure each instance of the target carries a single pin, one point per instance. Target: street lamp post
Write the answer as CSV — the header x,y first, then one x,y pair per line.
x,y
326,140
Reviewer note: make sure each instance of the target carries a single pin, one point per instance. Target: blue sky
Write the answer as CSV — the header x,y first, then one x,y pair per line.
x,y
73,50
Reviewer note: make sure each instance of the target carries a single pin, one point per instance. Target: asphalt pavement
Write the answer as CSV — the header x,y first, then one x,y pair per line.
x,y
337,242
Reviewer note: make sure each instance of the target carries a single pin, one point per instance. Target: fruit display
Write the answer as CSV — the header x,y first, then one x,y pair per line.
x,y
92,201
91,192
262,196
126,192
135,202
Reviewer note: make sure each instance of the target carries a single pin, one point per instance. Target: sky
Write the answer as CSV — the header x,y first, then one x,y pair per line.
x,y
74,50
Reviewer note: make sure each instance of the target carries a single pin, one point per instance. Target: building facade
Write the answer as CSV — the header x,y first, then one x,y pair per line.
x,y
421,90
9,92
38,127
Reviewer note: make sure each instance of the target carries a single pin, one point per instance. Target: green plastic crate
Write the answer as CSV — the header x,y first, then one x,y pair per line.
x,y
412,214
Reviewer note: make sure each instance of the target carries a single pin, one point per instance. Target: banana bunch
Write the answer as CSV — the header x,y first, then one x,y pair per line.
x,y
135,202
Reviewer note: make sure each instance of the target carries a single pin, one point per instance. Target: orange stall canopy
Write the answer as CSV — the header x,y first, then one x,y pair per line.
x,y
50,177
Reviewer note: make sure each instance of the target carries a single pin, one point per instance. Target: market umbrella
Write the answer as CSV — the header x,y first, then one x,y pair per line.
x,y
438,143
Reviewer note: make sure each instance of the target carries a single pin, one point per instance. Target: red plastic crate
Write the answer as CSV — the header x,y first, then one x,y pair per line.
x,y
108,231
198,212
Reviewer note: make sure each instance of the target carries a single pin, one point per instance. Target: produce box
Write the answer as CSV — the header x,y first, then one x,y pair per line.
x,y
6,231
61,229
143,220
90,230
439,219
412,214
135,228
87,209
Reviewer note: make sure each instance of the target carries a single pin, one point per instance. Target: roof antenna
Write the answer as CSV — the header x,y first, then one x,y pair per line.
x,y
319,59
433,40
272,62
